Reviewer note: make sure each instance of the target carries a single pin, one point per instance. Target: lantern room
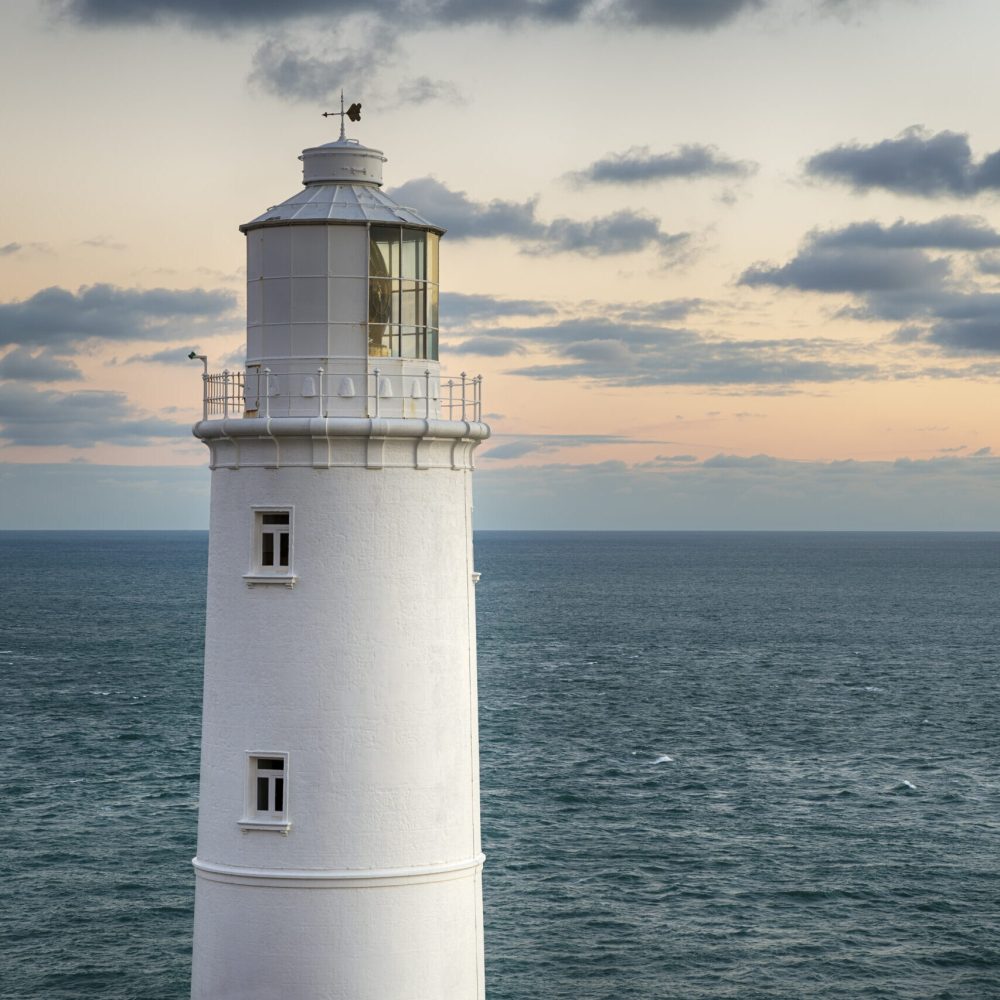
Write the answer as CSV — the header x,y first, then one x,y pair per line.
x,y
342,285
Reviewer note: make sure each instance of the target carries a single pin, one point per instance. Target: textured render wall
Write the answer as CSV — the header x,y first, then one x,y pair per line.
x,y
364,673
417,942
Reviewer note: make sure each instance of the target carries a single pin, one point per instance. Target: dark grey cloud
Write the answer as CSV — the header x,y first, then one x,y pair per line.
x,y
283,69
59,319
621,232
869,257
682,15
640,166
950,232
894,279
635,354
168,356
467,219
916,162
819,268
9,248
458,307
34,417
41,366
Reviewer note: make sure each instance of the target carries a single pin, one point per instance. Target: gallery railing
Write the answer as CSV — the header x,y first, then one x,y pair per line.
x,y
257,392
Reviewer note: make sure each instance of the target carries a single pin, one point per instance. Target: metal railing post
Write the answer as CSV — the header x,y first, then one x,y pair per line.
x,y
451,397
463,395
319,373
479,398
204,396
427,394
225,392
267,393
376,372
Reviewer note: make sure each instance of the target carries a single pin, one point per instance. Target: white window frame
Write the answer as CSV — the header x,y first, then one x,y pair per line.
x,y
270,820
258,573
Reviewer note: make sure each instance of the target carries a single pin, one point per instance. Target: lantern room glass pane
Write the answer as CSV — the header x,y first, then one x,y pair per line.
x,y
433,241
413,254
432,306
402,303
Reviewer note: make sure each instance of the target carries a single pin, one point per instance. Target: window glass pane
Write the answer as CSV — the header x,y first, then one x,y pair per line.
x,y
432,306
384,252
432,345
279,794
278,518
413,254
432,257
271,764
267,549
408,304
379,300
283,549
410,343
262,794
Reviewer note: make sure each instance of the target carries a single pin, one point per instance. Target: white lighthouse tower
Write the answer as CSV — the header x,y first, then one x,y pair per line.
x,y
338,837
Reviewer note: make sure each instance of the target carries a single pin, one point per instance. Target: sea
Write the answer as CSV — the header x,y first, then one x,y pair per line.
x,y
714,765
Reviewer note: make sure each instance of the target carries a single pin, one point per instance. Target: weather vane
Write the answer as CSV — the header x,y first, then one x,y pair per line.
x,y
353,112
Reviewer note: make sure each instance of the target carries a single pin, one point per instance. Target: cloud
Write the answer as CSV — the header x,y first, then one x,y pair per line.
x,y
727,492
79,495
870,257
103,243
459,307
21,364
819,268
917,162
284,70
467,219
677,15
168,356
10,248
621,232
639,166
423,90
894,279
526,444
949,232
34,417
611,352
60,319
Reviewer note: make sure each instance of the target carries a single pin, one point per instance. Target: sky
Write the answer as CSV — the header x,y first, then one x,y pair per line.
x,y
723,264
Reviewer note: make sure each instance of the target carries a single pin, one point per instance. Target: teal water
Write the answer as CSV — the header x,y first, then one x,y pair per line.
x,y
713,765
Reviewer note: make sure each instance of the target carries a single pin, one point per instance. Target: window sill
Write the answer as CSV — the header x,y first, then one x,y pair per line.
x,y
281,826
285,579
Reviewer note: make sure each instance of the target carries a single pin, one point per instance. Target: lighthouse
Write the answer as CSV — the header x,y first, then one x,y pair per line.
x,y
339,852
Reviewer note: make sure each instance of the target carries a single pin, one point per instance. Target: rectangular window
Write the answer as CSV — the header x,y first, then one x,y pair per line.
x,y
274,540
267,799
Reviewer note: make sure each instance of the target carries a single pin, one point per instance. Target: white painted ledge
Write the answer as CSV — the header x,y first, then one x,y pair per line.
x,y
277,826
337,878
255,579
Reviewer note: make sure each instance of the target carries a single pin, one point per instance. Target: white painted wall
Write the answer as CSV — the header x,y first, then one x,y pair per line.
x,y
364,673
